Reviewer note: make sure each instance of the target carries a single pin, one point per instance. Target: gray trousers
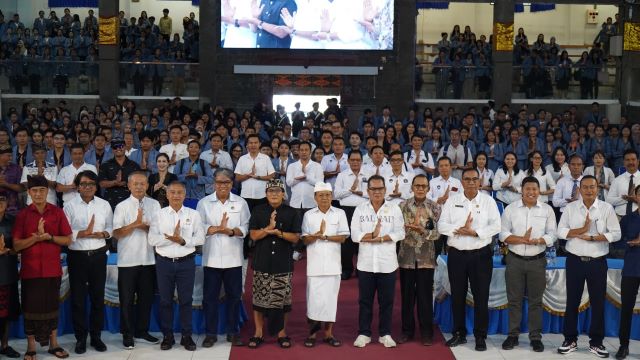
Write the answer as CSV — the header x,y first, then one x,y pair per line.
x,y
530,275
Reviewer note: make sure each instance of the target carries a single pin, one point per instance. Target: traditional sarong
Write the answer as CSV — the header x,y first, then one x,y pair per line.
x,y
40,304
322,297
272,298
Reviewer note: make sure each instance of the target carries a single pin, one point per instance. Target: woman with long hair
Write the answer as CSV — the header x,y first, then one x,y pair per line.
x,y
486,174
559,166
545,179
604,174
493,150
508,179
159,181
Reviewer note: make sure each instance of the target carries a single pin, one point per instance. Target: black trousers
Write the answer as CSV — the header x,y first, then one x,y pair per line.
x,y
157,82
214,278
628,290
138,84
248,243
348,248
417,284
172,276
135,284
594,272
87,276
368,284
470,267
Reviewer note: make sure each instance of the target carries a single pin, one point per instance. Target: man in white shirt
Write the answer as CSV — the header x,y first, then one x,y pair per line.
x,y
621,193
175,233
175,150
324,229
470,220
440,188
377,226
588,225
420,162
528,227
379,164
216,157
136,261
40,167
253,170
65,180
399,179
226,220
336,162
91,221
349,191
567,188
302,175
460,155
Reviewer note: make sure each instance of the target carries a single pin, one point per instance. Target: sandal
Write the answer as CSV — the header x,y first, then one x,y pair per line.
x,y
284,342
332,341
254,342
310,342
58,352
30,354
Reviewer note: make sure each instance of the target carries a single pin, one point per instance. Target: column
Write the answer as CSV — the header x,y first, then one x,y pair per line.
x,y
109,74
209,45
503,12
630,62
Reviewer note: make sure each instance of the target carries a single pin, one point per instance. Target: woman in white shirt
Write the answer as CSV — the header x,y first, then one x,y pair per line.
x,y
486,174
604,174
508,179
547,185
559,166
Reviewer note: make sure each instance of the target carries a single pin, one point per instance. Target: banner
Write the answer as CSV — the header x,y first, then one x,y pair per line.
x,y
503,36
73,3
631,36
108,30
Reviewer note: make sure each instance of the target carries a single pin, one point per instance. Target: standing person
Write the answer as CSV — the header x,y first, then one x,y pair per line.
x,y
146,156
324,229
460,155
159,180
349,191
399,179
175,150
226,220
440,188
567,187
40,167
136,262
275,228
470,220
302,176
194,173
41,229
335,162
10,174
421,162
91,221
165,25
621,194
175,232
377,226
9,302
65,182
113,175
630,225
587,247
417,261
254,170
528,227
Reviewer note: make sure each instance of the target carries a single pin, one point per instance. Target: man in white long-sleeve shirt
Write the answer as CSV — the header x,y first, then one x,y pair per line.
x,y
470,220
302,176
175,233
589,225
621,193
377,226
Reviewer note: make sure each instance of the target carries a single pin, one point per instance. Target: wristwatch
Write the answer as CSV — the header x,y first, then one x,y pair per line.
x,y
592,238
237,23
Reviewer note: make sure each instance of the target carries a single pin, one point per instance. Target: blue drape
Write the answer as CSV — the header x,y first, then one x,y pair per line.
x,y
73,3
542,7
519,8
432,5
195,2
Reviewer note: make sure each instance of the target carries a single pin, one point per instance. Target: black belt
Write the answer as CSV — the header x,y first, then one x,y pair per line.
x,y
588,258
178,259
488,247
529,258
90,252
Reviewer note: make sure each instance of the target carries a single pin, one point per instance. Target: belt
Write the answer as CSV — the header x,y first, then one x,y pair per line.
x,y
90,252
485,248
588,258
529,258
178,259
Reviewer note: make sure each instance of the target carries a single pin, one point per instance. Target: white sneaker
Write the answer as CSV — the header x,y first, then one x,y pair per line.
x,y
387,341
362,341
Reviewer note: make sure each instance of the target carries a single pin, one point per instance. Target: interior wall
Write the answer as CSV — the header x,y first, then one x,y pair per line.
x,y
177,9
568,23
28,10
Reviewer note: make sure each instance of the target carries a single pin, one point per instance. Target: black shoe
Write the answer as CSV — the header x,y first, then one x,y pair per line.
x,y
167,343
405,339
481,344
209,340
235,340
456,340
623,352
537,345
97,344
127,342
188,343
510,342
148,338
81,347
10,352
345,276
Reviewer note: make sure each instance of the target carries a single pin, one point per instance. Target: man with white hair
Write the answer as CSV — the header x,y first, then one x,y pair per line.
x,y
324,229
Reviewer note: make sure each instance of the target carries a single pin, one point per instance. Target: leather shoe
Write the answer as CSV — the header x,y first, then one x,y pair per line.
x,y
404,339
481,344
456,340
345,276
537,346
97,344
623,352
167,343
81,347
235,340
427,340
188,343
209,341
510,342
9,352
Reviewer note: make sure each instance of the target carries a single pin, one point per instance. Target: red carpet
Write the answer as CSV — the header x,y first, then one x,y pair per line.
x,y
346,330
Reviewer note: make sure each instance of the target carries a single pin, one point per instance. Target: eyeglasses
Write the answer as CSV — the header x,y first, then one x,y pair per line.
x,y
377,189
87,184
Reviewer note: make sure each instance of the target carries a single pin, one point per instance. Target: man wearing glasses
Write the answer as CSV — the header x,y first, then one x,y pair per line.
x,y
470,220
399,179
226,220
377,226
91,221
114,173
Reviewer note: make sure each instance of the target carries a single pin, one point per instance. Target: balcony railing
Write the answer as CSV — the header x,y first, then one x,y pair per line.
x,y
159,79
48,77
